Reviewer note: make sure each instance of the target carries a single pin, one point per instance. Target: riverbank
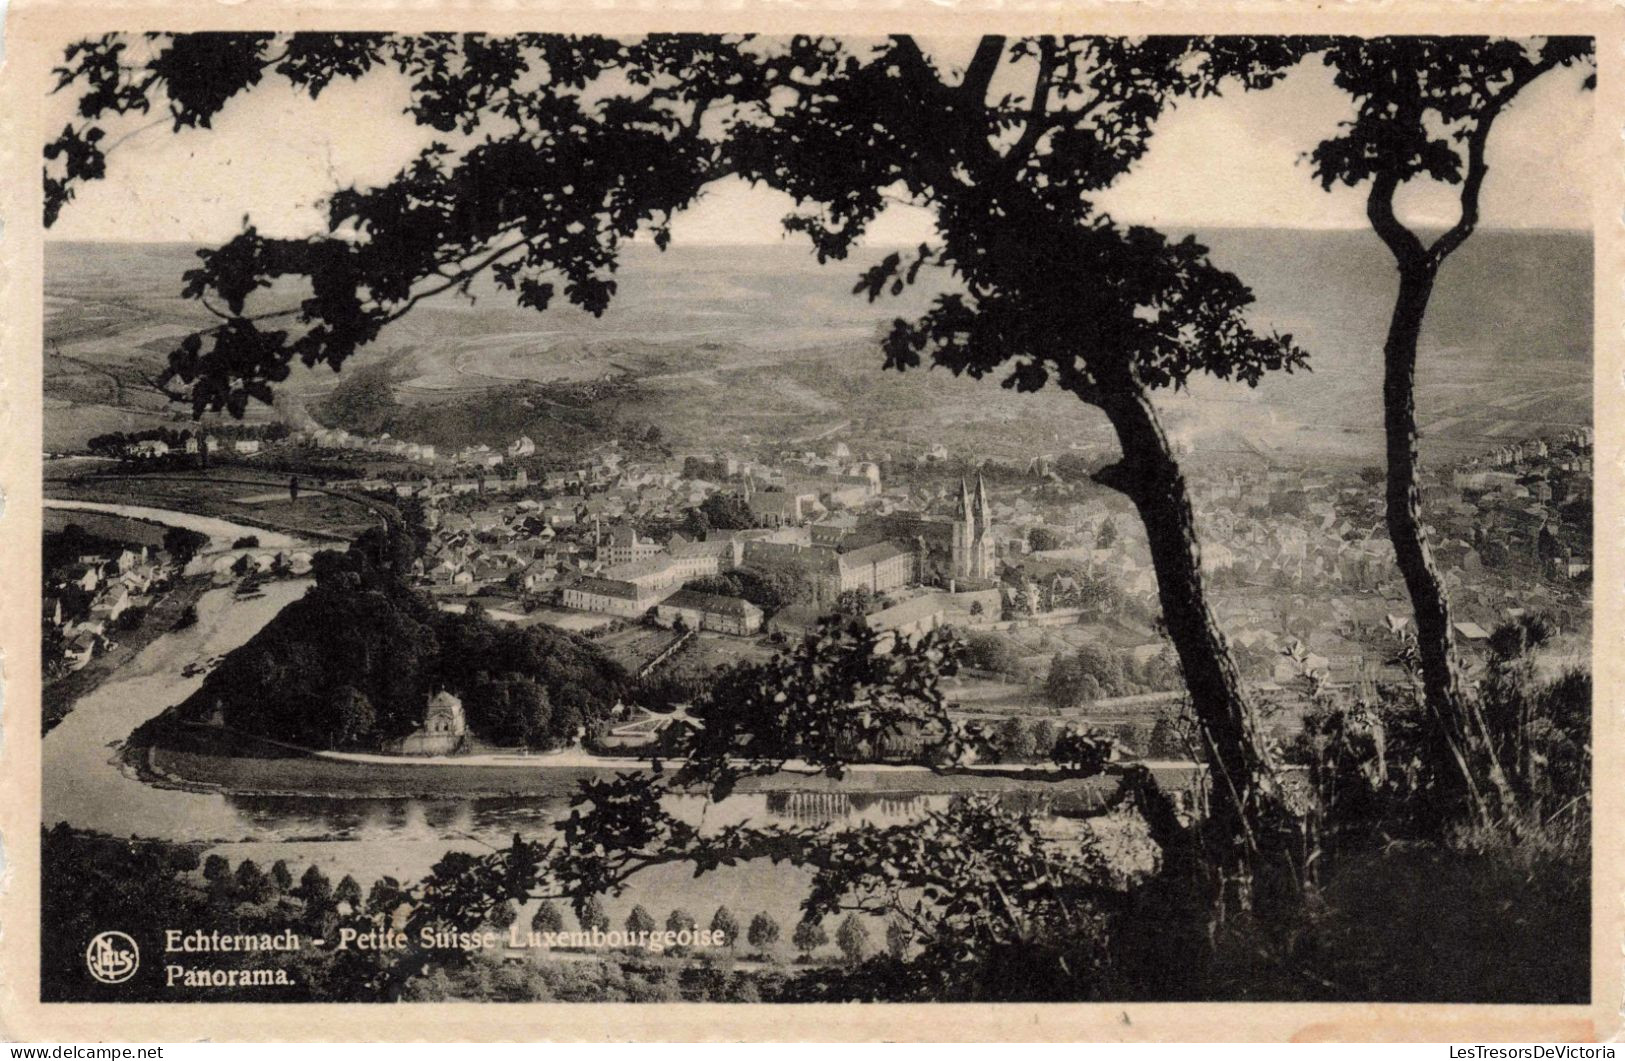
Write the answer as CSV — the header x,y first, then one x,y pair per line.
x,y
211,760
58,697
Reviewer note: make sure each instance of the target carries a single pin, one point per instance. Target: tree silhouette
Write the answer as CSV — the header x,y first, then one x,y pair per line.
x,y
590,915
852,936
1425,107
315,889
639,921
763,932
348,891
215,868
809,936
547,918
252,883
726,925
577,144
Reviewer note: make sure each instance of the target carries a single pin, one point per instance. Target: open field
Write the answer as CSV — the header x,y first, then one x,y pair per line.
x,y
706,651
635,646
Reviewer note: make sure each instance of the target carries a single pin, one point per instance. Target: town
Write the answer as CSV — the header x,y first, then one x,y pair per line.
x,y
678,564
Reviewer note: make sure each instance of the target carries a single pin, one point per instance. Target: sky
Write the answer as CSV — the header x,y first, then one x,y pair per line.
x,y
1236,160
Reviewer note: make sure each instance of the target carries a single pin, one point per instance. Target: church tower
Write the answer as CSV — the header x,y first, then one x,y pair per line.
x,y
964,532
982,562
973,534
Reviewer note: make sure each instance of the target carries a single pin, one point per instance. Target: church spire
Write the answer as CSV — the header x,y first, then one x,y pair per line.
x,y
984,513
964,512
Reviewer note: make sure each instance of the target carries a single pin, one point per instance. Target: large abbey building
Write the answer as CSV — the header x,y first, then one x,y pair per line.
x,y
973,554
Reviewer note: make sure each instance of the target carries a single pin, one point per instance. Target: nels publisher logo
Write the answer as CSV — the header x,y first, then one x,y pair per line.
x,y
112,957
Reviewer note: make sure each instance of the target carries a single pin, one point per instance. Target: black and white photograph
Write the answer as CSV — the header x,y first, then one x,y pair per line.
x,y
875,517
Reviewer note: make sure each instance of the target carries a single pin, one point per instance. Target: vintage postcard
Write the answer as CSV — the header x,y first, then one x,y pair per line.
x,y
1082,522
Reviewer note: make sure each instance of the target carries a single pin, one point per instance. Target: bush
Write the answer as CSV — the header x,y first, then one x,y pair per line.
x,y
130,619
1014,741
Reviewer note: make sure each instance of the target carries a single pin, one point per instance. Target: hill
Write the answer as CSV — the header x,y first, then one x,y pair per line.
x,y
745,345
353,663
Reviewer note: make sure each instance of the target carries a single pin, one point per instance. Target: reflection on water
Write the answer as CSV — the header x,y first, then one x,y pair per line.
x,y
887,808
495,819
405,838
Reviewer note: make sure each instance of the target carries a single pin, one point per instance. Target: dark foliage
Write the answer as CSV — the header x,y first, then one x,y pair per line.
x,y
354,662
65,546
145,888
182,544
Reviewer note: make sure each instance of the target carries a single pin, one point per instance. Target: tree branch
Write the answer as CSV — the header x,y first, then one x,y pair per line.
x,y
1379,209
1477,168
1037,123
983,65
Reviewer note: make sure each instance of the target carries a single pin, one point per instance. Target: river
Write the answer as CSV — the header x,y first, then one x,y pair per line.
x,y
87,785
221,532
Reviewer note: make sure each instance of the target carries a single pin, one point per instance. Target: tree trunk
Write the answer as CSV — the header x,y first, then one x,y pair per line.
x,y
1243,783
1458,731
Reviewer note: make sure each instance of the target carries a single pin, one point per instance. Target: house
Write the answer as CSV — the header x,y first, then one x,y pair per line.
x,y
246,446
624,546
612,596
111,604
797,620
876,568
149,448
86,576
652,573
775,508
79,650
710,611
710,557
910,618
